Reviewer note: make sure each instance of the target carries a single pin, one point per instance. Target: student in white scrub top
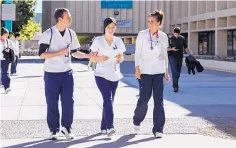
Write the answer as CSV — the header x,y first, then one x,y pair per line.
x,y
5,46
151,63
109,49
16,52
56,45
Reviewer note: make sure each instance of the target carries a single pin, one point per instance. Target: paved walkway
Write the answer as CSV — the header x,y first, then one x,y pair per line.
x,y
203,113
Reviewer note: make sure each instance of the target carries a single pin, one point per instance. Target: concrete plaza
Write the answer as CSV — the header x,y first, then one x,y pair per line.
x,y
202,114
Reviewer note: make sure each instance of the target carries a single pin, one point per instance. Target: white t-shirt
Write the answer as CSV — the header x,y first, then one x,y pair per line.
x,y
109,69
59,42
153,61
5,44
17,47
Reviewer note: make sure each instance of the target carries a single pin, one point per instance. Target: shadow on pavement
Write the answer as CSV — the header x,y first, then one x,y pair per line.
x,y
121,142
223,118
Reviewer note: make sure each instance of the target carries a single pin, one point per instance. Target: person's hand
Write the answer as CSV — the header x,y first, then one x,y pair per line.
x,y
119,58
104,58
174,49
92,58
89,56
167,77
7,50
63,52
93,53
137,73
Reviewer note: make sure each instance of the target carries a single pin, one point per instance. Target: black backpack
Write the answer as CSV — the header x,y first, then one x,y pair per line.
x,y
9,56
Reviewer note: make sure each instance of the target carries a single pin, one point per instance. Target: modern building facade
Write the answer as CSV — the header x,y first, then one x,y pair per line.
x,y
208,26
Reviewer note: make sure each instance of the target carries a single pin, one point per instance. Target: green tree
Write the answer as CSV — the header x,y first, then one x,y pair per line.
x,y
24,12
83,39
28,30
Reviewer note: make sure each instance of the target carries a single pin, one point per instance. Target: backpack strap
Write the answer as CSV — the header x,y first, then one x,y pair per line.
x,y
7,43
50,38
70,35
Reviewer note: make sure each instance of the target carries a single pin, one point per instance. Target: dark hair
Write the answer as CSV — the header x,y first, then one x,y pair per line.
x,y
108,21
4,31
59,13
176,30
158,14
17,34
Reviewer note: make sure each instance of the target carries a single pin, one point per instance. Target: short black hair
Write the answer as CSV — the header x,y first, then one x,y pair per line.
x,y
59,12
4,31
176,30
108,21
17,34
158,14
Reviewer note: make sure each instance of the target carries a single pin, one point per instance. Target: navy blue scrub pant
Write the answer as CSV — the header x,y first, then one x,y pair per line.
x,y
5,79
108,91
59,84
149,83
175,65
14,65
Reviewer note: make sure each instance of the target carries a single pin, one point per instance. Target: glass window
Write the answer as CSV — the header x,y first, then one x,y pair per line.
x,y
206,43
231,43
234,43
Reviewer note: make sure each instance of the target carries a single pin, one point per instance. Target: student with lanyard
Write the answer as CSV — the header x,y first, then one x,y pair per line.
x,y
151,63
56,44
109,49
5,56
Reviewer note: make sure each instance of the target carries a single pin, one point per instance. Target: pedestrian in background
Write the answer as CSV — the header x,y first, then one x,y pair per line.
x,y
176,51
15,41
7,56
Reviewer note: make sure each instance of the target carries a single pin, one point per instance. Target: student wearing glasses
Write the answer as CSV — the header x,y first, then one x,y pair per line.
x,y
151,63
109,49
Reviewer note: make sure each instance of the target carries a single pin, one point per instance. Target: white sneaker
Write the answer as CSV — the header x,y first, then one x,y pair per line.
x,y
14,74
7,90
158,135
53,136
1,86
67,133
111,132
103,132
136,129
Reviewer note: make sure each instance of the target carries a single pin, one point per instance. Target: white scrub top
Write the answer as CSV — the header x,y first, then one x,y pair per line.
x,y
17,47
110,69
6,44
153,61
60,63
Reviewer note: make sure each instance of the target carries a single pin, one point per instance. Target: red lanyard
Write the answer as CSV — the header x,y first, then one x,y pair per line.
x,y
151,38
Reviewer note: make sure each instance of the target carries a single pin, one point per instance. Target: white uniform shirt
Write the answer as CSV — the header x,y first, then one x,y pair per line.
x,y
153,61
5,44
17,47
60,63
110,69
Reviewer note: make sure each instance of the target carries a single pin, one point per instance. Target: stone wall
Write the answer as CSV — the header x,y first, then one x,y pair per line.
x,y
29,48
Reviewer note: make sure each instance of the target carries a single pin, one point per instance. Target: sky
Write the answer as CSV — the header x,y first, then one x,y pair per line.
x,y
39,6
